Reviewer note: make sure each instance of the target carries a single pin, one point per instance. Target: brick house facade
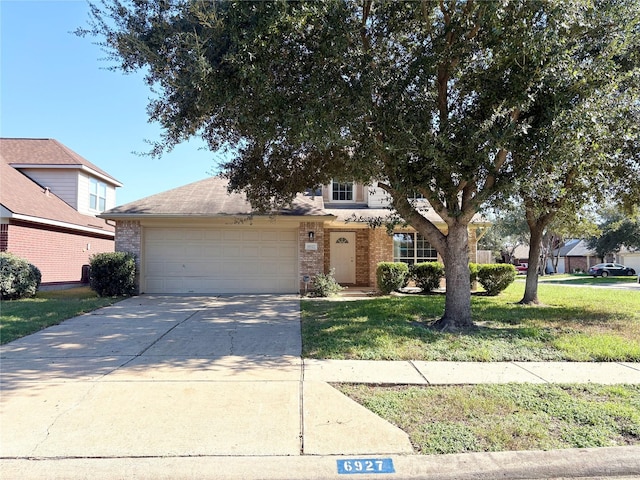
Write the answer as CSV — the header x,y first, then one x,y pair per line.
x,y
200,239
48,209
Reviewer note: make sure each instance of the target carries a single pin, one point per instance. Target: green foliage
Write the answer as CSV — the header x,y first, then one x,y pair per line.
x,y
113,274
473,272
427,275
619,229
391,276
326,285
494,278
18,277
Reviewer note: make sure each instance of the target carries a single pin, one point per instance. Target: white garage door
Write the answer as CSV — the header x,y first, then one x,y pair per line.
x,y
631,260
205,260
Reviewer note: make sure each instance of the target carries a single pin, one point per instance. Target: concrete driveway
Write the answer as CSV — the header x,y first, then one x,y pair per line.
x,y
177,376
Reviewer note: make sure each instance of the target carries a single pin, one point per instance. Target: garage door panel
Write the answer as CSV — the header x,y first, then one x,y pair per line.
x,y
205,260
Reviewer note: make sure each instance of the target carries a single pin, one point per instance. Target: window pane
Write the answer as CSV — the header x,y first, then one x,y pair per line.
x,y
412,248
342,191
93,200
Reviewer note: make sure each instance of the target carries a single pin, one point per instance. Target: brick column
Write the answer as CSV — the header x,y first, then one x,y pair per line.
x,y
129,239
311,262
380,250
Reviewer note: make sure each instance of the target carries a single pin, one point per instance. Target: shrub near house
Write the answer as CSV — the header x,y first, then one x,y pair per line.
x,y
18,277
113,274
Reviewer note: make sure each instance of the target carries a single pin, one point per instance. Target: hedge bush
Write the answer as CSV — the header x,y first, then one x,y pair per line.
x,y
391,276
325,285
494,278
113,274
427,275
18,277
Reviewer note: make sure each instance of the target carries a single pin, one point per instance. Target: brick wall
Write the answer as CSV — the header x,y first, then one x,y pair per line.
x,y
58,254
380,250
310,261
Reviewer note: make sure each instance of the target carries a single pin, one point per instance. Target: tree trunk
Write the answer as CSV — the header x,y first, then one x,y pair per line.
x,y
531,287
457,308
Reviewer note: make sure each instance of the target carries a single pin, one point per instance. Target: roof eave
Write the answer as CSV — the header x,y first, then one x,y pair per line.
x,y
59,224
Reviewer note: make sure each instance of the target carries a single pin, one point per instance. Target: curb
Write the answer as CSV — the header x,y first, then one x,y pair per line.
x,y
572,463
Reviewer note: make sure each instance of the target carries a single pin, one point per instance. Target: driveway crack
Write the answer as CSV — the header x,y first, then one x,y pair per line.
x,y
146,349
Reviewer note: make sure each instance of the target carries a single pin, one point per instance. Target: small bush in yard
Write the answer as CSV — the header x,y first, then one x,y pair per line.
x,y
18,277
494,278
325,285
391,276
113,274
473,272
427,275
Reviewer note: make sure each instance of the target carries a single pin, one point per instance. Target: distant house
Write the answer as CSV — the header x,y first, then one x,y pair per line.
x,y
573,256
199,238
49,199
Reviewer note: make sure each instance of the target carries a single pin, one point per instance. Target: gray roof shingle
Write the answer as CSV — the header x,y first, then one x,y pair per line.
x,y
207,198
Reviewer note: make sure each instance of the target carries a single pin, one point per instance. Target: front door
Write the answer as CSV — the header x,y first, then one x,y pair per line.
x,y
343,256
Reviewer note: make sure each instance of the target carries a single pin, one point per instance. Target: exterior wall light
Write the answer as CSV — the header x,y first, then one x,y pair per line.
x,y
311,236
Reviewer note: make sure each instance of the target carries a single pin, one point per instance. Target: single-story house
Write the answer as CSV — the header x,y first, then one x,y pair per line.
x,y
575,255
49,199
199,238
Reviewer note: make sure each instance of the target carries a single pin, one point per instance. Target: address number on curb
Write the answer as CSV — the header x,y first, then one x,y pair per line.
x,y
366,465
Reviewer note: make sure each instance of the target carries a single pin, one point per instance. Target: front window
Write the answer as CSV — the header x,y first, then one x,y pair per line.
x,y
412,248
97,195
342,192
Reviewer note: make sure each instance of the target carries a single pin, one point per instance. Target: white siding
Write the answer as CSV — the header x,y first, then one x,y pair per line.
x,y
83,194
111,197
64,183
377,197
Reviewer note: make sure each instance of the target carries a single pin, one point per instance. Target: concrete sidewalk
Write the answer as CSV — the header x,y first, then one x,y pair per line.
x,y
469,373
202,387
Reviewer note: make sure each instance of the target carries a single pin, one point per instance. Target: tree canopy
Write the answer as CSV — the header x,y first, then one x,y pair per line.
x,y
446,98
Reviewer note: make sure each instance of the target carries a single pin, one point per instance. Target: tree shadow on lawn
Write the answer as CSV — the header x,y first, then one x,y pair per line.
x,y
394,328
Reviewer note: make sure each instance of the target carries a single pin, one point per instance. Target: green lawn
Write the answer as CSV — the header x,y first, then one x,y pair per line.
x,y
576,324
486,418
23,317
583,279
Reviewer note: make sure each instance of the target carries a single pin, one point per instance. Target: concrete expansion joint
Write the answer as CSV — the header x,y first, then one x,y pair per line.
x,y
529,372
419,372
232,336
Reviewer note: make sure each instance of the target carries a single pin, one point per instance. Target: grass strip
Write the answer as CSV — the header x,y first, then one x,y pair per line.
x,y
29,315
489,418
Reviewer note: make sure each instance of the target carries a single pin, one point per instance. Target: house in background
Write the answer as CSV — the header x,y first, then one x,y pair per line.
x,y
199,238
49,199
574,256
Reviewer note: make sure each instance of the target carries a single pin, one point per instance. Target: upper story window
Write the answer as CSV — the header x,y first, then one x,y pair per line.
x,y
97,195
342,192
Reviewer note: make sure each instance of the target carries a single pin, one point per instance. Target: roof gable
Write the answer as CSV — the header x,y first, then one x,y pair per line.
x,y
46,152
28,201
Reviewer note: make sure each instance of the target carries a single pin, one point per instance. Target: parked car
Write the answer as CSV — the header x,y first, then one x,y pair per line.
x,y
522,268
610,269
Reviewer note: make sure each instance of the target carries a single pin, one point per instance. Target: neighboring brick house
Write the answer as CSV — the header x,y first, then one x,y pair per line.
x,y
200,239
49,199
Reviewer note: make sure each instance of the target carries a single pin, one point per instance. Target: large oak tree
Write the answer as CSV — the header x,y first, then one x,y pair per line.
x,y
425,97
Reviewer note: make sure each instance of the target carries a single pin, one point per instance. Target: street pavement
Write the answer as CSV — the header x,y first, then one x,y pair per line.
x,y
206,387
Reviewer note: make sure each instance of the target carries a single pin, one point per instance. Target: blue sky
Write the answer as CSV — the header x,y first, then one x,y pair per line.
x,y
55,85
